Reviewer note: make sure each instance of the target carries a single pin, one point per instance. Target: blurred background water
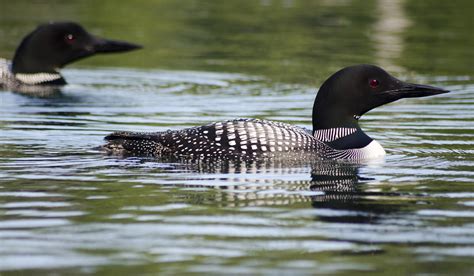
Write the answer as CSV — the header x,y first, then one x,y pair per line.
x,y
67,208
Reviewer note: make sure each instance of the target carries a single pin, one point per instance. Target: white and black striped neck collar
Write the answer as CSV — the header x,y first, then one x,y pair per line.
x,y
39,78
343,138
332,134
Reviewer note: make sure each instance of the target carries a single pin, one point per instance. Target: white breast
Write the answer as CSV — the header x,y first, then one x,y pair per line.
x,y
372,150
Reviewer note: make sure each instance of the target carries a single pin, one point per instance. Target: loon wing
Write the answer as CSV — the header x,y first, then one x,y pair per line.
x,y
228,139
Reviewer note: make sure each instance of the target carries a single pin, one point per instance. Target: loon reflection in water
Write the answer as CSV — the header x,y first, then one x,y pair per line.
x,y
324,184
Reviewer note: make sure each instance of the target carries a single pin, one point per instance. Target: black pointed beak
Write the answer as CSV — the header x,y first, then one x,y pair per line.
x,y
400,90
101,45
411,90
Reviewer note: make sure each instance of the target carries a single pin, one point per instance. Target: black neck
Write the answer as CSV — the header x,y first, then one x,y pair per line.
x,y
325,117
60,81
28,60
328,114
27,64
355,140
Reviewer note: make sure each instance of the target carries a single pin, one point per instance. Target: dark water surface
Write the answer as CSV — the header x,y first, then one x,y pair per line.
x,y
65,207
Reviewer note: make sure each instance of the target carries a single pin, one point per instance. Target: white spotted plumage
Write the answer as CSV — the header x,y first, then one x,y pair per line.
x,y
247,138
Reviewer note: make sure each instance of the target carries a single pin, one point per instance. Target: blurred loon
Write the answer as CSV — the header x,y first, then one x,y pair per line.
x,y
49,47
340,102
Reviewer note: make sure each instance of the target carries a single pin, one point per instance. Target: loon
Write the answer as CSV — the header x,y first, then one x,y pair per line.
x,y
49,47
340,102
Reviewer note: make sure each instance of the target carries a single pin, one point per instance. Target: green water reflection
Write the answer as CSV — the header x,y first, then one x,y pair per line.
x,y
301,41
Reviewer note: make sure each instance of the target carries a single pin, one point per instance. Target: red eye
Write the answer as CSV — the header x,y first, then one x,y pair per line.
x,y
69,38
374,83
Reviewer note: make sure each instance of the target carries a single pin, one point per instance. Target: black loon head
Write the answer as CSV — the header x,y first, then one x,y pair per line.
x,y
354,90
54,45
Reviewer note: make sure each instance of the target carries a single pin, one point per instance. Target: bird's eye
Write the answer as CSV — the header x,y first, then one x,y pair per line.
x,y
373,83
70,38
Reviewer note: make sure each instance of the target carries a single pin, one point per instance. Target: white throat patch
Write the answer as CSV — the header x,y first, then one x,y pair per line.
x,y
373,150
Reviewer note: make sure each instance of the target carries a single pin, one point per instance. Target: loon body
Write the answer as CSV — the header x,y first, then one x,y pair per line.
x,y
49,47
340,102
239,138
